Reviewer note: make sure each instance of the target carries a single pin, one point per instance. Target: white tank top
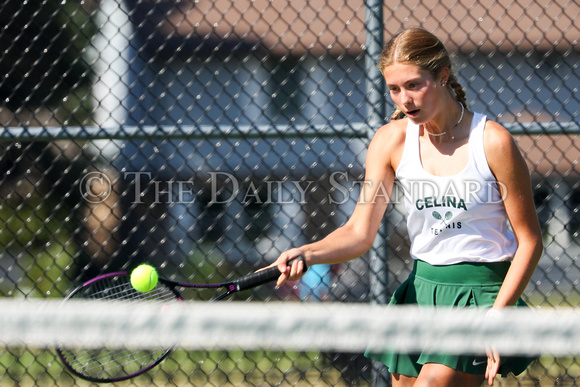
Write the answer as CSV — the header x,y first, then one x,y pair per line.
x,y
459,218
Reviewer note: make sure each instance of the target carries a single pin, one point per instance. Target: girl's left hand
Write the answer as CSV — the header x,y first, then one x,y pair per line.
x,y
493,358
493,361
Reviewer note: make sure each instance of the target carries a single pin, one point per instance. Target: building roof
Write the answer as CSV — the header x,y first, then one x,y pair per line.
x,y
321,26
337,27
556,156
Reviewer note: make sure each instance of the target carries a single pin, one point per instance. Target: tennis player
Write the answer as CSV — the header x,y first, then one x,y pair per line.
x,y
464,182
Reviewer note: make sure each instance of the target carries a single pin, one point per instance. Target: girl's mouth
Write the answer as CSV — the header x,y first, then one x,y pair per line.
x,y
412,113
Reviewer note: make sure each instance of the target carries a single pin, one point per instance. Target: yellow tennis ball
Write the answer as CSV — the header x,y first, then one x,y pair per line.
x,y
144,278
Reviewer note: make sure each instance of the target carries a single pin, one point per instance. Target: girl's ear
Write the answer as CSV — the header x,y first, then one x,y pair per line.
x,y
443,76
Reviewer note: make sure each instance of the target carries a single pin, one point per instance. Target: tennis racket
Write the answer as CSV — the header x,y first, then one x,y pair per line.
x,y
105,365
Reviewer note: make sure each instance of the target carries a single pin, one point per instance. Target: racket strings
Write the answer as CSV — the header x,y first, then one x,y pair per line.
x,y
110,363
119,288
107,363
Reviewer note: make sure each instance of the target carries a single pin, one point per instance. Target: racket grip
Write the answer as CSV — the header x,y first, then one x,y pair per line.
x,y
263,276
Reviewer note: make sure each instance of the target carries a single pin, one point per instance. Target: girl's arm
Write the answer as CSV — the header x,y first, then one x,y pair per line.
x,y
511,172
357,235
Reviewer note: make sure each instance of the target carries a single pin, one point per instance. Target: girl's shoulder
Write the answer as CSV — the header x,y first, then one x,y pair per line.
x,y
496,138
389,141
392,134
499,145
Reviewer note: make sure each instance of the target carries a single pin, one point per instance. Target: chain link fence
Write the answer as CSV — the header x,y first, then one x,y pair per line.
x,y
206,137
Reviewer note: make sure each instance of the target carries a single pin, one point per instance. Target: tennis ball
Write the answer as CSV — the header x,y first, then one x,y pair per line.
x,y
144,278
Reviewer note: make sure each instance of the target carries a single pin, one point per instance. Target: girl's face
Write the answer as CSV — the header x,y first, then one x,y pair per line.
x,y
414,91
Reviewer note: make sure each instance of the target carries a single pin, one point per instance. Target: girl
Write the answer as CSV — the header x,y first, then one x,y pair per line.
x,y
465,180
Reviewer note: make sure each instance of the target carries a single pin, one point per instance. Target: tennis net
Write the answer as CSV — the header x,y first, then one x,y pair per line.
x,y
292,338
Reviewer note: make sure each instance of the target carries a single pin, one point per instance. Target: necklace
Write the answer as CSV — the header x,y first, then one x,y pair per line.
x,y
455,126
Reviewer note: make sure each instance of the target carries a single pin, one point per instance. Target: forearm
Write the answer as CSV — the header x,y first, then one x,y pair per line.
x,y
520,273
343,244
357,235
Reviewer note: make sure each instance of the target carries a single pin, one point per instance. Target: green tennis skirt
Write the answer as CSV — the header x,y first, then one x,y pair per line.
x,y
463,285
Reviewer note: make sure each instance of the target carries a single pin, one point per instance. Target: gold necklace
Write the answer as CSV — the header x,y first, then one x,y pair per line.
x,y
455,126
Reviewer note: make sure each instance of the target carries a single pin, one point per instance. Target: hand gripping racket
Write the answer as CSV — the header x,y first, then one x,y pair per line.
x,y
105,365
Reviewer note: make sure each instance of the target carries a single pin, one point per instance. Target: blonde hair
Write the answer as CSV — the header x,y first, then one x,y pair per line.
x,y
423,49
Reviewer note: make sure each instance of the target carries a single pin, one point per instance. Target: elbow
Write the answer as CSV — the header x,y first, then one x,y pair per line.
x,y
369,242
529,248
536,247
363,247
365,241
361,235
539,247
538,243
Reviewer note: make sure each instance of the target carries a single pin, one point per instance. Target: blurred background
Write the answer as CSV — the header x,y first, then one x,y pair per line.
x,y
206,137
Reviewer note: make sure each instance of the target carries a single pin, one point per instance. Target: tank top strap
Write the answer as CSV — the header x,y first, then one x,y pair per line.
x,y
411,157
476,146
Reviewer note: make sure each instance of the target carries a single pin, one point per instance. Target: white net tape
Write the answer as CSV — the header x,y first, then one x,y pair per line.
x,y
290,325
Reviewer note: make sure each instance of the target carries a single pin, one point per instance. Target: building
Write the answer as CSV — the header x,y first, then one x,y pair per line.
x,y
250,66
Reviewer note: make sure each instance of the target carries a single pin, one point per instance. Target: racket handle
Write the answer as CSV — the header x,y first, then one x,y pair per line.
x,y
263,276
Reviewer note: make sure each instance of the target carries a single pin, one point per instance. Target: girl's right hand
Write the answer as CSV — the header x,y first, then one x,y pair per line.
x,y
289,273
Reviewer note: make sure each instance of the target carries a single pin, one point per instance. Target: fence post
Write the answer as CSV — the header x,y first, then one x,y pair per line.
x,y
376,112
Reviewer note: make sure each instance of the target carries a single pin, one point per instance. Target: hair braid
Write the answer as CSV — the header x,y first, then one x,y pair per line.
x,y
457,89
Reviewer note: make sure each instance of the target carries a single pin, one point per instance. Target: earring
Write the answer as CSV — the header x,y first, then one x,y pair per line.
x,y
444,83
